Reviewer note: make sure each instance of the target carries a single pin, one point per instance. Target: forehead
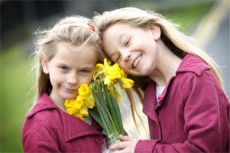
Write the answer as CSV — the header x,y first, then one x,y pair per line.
x,y
117,29
70,52
62,46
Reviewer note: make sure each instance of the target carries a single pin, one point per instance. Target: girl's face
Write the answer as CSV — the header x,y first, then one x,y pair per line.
x,y
68,69
134,49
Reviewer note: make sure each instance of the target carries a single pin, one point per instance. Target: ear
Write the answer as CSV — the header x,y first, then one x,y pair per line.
x,y
45,65
156,31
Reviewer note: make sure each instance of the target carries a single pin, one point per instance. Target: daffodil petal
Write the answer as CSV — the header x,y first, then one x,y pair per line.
x,y
127,83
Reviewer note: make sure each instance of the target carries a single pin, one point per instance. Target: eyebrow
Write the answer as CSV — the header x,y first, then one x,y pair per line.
x,y
121,36
114,51
87,66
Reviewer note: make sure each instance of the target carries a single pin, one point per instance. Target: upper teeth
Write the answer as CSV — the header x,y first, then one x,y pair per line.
x,y
136,61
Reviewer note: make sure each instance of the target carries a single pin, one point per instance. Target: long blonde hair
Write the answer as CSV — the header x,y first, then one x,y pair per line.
x,y
74,30
176,41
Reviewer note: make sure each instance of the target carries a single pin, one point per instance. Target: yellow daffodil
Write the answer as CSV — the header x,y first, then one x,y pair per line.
x,y
89,102
80,116
71,110
83,92
84,111
112,73
127,83
69,103
79,106
99,68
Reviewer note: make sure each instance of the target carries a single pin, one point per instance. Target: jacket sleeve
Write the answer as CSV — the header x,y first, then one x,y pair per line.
x,y
206,119
38,135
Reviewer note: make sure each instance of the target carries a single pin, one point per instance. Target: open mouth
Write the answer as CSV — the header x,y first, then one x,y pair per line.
x,y
135,63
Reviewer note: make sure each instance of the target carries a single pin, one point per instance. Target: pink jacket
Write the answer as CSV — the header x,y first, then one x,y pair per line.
x,y
48,129
192,115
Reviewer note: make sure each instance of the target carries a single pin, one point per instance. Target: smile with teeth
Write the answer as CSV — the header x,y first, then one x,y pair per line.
x,y
136,61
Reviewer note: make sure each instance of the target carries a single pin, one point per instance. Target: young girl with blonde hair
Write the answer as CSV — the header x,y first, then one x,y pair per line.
x,y
184,98
66,56
64,59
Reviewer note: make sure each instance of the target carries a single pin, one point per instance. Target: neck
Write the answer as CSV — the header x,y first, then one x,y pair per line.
x,y
58,102
167,66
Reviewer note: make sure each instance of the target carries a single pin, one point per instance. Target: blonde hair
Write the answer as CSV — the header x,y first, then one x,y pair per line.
x,y
74,30
176,41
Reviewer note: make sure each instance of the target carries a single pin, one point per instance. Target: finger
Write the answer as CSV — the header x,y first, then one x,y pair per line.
x,y
121,151
117,146
125,138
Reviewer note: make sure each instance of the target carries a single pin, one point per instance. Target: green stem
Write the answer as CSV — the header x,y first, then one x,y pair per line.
x,y
105,107
111,103
100,113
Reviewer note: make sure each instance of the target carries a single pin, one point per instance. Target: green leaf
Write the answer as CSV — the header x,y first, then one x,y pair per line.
x,y
111,109
117,114
94,114
102,108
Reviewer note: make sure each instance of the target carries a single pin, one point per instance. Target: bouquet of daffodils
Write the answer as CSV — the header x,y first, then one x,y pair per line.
x,y
100,99
106,112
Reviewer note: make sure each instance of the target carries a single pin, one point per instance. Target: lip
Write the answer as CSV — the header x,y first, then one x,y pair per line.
x,y
136,61
70,90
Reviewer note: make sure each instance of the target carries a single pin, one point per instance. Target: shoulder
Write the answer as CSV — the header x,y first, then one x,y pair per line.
x,y
41,131
43,106
43,126
193,71
193,64
44,114
41,121
194,78
202,87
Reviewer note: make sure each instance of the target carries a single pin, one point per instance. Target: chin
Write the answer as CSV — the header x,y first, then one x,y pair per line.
x,y
69,96
144,73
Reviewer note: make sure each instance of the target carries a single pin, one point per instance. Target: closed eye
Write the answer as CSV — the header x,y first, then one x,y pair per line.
x,y
115,57
127,42
118,58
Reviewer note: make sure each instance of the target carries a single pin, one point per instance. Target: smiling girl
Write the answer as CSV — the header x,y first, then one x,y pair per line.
x,y
184,98
66,56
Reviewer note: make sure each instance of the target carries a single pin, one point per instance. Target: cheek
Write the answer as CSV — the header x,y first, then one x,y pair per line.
x,y
55,78
86,79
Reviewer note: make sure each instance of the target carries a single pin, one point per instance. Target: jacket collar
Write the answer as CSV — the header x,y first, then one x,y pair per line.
x,y
150,101
44,103
72,126
192,63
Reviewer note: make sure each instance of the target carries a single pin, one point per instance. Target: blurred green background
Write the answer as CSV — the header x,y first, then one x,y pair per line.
x,y
17,80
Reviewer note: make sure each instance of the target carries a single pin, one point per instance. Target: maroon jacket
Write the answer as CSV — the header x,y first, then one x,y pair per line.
x,y
192,115
48,129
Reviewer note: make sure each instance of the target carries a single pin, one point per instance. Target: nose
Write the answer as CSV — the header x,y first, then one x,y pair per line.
x,y
72,78
126,55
